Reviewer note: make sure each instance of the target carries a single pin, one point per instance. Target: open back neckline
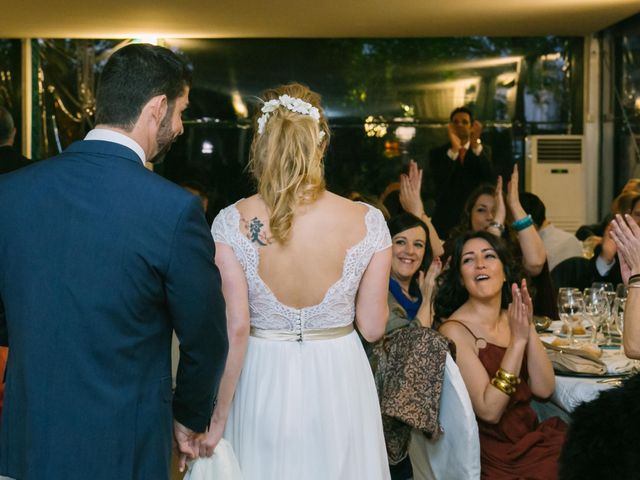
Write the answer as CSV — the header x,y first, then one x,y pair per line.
x,y
332,287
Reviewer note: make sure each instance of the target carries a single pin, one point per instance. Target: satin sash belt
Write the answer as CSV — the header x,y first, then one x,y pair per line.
x,y
303,335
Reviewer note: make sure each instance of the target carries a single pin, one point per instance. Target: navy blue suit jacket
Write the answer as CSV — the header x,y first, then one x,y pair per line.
x,y
100,259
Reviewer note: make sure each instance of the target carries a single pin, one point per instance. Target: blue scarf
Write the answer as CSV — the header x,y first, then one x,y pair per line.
x,y
410,306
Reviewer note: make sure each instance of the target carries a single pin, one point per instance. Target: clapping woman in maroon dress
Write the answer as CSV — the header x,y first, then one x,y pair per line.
x,y
503,363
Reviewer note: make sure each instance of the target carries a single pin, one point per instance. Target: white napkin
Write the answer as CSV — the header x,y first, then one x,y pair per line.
x,y
222,465
619,364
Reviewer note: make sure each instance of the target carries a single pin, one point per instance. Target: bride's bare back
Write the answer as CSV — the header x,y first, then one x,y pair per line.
x,y
300,272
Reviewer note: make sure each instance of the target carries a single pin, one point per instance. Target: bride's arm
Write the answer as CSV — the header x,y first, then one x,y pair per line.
x,y
372,310
235,291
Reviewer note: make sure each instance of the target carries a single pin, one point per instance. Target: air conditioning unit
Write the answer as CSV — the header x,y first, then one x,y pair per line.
x,y
555,172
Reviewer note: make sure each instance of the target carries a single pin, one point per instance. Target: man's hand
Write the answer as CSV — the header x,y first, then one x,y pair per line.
x,y
476,131
456,143
186,443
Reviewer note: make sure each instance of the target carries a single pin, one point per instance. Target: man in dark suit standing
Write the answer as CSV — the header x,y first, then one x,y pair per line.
x,y
9,159
457,168
100,260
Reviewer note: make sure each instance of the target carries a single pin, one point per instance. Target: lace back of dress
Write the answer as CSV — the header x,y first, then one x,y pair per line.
x,y
338,306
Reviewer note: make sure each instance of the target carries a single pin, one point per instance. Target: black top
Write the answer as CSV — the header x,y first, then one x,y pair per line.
x,y
11,160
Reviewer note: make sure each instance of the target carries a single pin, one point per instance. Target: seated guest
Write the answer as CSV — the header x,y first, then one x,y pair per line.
x,y
501,359
413,273
595,232
626,235
411,286
602,437
605,266
485,210
200,191
10,159
558,244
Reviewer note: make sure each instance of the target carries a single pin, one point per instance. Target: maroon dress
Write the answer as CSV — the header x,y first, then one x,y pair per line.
x,y
518,446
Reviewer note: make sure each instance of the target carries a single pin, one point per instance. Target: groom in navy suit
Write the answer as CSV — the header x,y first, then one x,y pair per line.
x,y
100,260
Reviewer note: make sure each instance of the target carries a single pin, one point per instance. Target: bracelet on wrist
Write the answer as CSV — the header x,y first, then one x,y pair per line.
x,y
522,223
503,386
510,378
634,278
497,225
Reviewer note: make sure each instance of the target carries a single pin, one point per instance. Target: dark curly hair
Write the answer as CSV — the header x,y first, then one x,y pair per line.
x,y
405,221
451,293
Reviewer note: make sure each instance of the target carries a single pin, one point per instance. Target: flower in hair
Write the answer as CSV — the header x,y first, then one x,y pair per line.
x,y
294,104
270,106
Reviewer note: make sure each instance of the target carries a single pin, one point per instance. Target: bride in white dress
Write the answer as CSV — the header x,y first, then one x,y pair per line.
x,y
299,265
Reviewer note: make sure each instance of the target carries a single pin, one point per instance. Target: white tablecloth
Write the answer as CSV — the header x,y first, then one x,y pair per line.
x,y
571,391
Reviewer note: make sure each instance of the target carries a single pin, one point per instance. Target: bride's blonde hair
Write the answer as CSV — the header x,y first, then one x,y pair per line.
x,y
286,158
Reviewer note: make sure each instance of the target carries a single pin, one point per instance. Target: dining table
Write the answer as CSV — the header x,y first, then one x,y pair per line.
x,y
574,388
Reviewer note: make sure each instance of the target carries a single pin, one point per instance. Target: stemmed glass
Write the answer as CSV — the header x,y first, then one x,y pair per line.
x,y
617,310
596,309
607,288
571,309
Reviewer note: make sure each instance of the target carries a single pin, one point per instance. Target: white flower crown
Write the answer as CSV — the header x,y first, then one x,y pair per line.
x,y
292,103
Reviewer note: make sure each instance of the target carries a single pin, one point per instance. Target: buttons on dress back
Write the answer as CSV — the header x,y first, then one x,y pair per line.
x,y
299,324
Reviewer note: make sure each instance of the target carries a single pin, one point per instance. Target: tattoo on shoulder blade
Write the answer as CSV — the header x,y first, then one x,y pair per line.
x,y
255,231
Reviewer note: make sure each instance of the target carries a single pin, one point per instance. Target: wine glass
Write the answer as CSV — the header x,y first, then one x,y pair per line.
x,y
608,289
596,309
571,310
617,311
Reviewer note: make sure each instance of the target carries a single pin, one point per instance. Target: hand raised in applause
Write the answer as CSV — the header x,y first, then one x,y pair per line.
x,y
410,186
520,313
456,143
427,281
501,212
626,235
609,248
513,196
476,131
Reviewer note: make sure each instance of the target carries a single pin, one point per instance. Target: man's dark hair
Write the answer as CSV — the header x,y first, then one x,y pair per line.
x,y
534,207
462,110
133,76
6,125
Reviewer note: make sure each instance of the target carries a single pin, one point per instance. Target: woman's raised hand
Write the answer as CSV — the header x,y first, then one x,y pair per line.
x,y
513,197
410,186
520,313
427,281
625,232
501,212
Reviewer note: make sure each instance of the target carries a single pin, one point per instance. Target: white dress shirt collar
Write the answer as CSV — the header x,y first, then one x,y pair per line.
x,y
117,137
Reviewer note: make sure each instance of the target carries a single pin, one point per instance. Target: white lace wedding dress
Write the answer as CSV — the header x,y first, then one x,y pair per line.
x,y
306,410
